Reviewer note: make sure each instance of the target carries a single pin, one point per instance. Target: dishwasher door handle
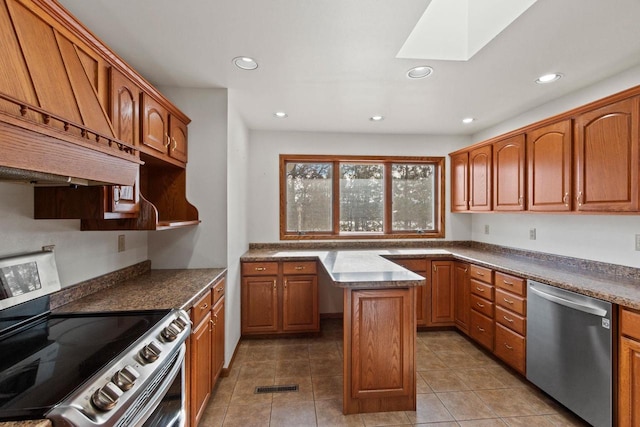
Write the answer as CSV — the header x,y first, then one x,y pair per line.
x,y
568,303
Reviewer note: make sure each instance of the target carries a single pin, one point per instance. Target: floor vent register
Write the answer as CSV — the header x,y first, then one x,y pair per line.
x,y
276,388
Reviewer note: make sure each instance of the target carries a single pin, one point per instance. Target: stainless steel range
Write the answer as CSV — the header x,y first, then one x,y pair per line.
x,y
85,369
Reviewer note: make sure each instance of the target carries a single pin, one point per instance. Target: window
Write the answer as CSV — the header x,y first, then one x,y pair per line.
x,y
332,197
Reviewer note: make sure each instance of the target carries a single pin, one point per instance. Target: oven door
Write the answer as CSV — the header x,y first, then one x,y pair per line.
x,y
167,407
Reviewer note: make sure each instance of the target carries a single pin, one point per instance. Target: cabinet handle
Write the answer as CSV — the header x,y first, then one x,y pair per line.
x,y
274,284
479,289
508,301
175,144
211,325
480,305
299,267
507,319
168,140
520,200
579,198
261,268
220,289
204,306
508,346
465,270
285,284
480,273
480,329
565,199
506,282
435,268
216,321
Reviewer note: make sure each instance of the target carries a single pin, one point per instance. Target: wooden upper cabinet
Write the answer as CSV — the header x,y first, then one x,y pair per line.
x,y
509,174
607,157
460,182
178,138
155,127
549,151
480,179
125,107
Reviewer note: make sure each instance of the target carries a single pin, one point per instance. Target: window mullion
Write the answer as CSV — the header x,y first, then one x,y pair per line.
x,y
387,229
336,197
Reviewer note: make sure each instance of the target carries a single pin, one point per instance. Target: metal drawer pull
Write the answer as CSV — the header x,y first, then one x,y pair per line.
x,y
285,284
508,301
507,319
479,289
506,282
480,329
299,267
204,306
220,289
508,346
480,305
479,273
274,284
261,268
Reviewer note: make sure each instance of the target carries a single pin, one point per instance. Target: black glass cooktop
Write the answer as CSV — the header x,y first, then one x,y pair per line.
x,y
42,364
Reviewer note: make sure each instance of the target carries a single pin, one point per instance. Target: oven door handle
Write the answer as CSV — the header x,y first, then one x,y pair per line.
x,y
162,390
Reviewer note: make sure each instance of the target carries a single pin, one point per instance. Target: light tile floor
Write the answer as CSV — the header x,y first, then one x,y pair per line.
x,y
458,384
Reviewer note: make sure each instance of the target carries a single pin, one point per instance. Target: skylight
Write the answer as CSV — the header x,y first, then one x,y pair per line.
x,y
455,30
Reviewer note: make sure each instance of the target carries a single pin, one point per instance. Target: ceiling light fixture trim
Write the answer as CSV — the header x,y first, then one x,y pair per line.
x,y
549,78
468,120
419,72
280,115
377,118
245,63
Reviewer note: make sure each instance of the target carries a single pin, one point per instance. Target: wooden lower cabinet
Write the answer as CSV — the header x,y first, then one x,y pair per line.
x,y
279,297
442,293
462,295
510,347
379,346
482,329
419,266
629,369
205,351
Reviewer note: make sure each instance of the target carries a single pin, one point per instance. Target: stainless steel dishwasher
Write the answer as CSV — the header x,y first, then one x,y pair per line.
x,y
569,345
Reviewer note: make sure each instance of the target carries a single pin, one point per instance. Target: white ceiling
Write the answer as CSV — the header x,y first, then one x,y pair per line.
x,y
331,64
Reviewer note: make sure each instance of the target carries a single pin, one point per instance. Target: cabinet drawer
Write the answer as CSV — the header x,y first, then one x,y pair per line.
x,y
201,308
218,291
412,264
482,305
511,320
481,289
510,347
511,302
512,284
481,273
259,268
482,329
630,323
299,267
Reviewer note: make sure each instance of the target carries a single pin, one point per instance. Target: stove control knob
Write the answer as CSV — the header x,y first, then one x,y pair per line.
x,y
180,322
125,378
106,397
170,333
150,352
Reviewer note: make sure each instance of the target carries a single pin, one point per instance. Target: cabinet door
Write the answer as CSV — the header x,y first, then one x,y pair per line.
x,y
549,167
480,179
442,293
460,182
259,304
629,383
607,157
155,126
217,341
300,303
508,174
461,295
178,137
200,367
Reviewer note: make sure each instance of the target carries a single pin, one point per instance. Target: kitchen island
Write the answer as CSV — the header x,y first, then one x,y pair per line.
x,y
379,330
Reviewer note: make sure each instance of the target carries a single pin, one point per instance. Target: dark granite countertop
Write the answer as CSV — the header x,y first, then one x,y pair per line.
x,y
27,423
616,284
155,289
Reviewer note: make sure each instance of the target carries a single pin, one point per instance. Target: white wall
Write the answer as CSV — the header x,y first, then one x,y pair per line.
x,y
204,245
80,255
606,238
266,146
238,240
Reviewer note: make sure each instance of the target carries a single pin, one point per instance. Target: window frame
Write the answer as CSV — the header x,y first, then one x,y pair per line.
x,y
335,234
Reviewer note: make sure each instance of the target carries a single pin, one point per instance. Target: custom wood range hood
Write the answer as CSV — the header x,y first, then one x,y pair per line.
x,y
53,124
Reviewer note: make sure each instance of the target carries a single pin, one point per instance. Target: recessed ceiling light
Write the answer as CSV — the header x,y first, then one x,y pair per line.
x,y
419,72
281,114
548,78
376,118
468,120
245,63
